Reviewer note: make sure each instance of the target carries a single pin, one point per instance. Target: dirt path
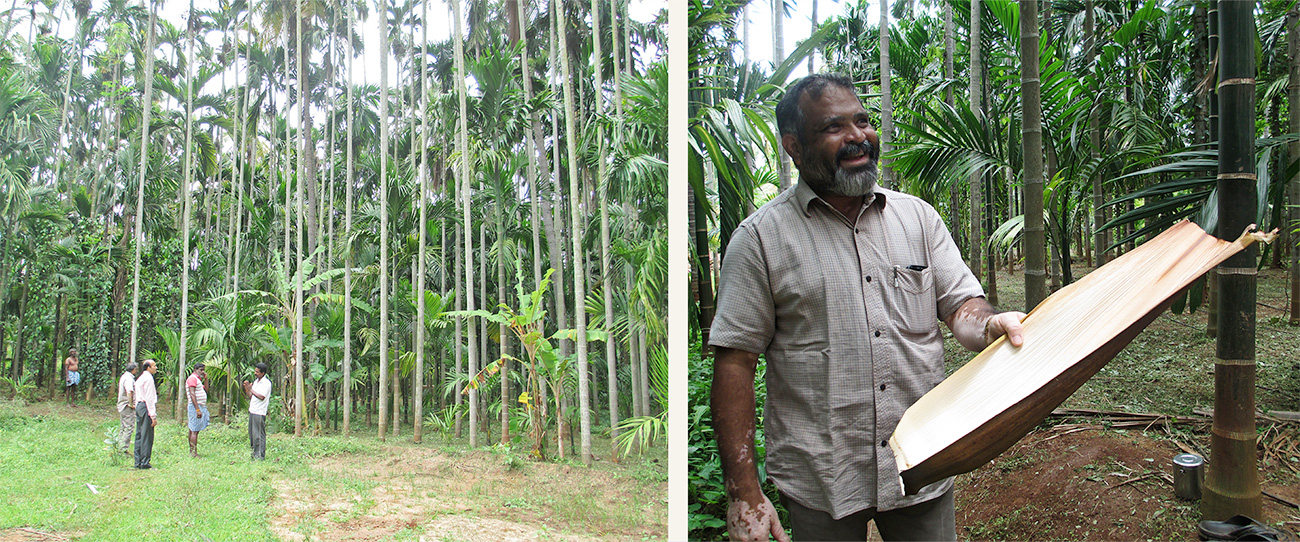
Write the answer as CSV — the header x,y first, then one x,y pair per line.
x,y
439,495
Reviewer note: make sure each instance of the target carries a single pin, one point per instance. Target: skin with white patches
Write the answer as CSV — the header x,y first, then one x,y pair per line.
x,y
976,324
750,514
748,522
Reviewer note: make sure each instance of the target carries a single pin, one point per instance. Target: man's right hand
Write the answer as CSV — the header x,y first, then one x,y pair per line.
x,y
754,521
153,422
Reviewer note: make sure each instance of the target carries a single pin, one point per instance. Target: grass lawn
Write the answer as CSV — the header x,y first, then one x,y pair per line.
x,y
312,488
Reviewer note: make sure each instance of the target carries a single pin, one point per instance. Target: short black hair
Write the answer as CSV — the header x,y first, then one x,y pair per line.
x,y
198,366
147,364
261,367
789,117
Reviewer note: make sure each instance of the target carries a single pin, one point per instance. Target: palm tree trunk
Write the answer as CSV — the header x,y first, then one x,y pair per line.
x,y
383,226
977,108
483,355
555,226
949,46
1232,483
886,99
1102,238
1212,284
147,109
611,351
1293,151
460,305
778,56
579,274
418,383
463,131
1035,234
185,216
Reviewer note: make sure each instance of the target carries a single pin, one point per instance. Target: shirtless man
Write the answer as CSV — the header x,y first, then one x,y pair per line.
x,y
71,377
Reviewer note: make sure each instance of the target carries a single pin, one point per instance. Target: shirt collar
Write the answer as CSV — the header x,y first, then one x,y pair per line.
x,y
805,196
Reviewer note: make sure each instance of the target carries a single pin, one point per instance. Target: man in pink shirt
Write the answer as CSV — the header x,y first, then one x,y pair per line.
x,y
146,414
196,393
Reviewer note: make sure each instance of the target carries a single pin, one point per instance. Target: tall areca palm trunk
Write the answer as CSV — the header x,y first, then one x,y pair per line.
x,y
534,199
977,108
146,106
556,230
554,219
1232,483
611,352
949,47
185,216
1032,130
1293,150
1212,283
603,186
1101,238
418,383
347,227
383,223
483,355
459,348
778,56
300,357
886,99
464,193
579,275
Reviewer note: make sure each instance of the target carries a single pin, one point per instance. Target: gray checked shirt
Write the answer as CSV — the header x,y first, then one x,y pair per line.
x,y
847,315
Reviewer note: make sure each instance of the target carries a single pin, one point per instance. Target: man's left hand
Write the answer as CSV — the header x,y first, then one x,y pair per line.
x,y
1005,323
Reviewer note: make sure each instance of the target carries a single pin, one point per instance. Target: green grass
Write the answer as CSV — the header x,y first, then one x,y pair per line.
x,y
46,462
48,453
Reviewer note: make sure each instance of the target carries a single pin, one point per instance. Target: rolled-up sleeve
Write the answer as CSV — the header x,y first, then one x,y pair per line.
x,y
746,315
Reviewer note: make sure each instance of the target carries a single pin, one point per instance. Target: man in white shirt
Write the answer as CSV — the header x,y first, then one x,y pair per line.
x,y
146,414
126,406
259,397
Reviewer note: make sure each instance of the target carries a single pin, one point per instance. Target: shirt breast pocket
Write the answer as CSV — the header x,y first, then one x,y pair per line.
x,y
913,299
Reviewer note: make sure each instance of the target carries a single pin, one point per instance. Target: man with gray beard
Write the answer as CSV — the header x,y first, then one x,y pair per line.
x,y
841,284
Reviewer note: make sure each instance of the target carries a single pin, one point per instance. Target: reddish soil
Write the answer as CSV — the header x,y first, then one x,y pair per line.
x,y
1095,484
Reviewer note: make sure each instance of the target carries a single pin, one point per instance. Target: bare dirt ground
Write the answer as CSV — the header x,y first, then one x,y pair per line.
x,y
1093,484
431,494
26,534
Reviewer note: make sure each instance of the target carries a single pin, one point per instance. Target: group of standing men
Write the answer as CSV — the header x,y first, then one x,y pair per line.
x,y
137,406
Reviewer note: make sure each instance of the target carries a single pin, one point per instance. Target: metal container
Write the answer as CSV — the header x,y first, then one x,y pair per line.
x,y
1189,473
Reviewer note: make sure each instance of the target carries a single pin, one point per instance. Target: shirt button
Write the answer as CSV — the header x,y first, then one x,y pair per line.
x,y
857,230
868,278
884,443
882,387
877,333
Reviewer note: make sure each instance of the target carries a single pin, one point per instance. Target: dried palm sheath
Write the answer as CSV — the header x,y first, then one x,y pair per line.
x,y
998,397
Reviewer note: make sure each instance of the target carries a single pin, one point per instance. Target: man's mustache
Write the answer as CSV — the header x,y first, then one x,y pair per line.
x,y
850,149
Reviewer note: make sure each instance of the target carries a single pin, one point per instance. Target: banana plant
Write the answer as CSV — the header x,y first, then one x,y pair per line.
x,y
546,366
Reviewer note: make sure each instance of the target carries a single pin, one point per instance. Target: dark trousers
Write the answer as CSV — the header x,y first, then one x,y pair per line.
x,y
934,519
143,435
257,435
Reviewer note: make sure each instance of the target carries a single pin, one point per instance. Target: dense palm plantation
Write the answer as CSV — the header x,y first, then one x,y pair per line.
x,y
235,185
1118,120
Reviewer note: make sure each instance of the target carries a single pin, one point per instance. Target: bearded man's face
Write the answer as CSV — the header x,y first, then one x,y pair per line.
x,y
837,150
